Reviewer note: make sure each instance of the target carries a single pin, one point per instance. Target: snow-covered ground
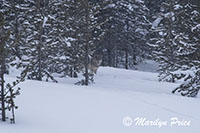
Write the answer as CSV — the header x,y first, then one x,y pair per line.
x,y
101,107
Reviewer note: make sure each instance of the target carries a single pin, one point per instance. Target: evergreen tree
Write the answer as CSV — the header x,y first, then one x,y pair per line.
x,y
188,49
177,47
85,35
7,92
165,31
125,33
38,50
14,16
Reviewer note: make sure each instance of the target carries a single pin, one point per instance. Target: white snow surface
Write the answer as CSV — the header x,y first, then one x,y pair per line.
x,y
63,107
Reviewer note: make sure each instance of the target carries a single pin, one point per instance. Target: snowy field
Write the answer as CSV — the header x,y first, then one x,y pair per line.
x,y
101,107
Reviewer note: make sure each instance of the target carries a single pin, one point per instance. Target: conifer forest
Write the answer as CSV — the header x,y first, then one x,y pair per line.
x,y
67,65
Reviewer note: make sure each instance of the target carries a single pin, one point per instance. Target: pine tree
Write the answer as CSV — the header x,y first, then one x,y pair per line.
x,y
188,50
85,35
7,92
177,46
68,57
125,33
165,31
135,30
38,49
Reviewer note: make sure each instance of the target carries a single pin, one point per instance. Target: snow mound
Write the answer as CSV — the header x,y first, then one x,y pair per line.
x,y
101,107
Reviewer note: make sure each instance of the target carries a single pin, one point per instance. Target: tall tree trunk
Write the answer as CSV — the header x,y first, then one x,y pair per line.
x,y
87,44
127,45
71,72
126,60
40,46
109,58
2,71
116,56
39,61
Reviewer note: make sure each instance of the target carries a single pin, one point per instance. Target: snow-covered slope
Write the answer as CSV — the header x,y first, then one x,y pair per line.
x,y
101,107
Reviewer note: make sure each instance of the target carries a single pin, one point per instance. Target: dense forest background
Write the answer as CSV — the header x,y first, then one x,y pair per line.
x,y
44,37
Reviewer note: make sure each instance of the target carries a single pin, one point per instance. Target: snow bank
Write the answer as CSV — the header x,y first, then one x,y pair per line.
x,y
101,107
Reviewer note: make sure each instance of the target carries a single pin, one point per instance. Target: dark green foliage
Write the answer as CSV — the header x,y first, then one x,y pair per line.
x,y
175,43
7,92
188,50
126,29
